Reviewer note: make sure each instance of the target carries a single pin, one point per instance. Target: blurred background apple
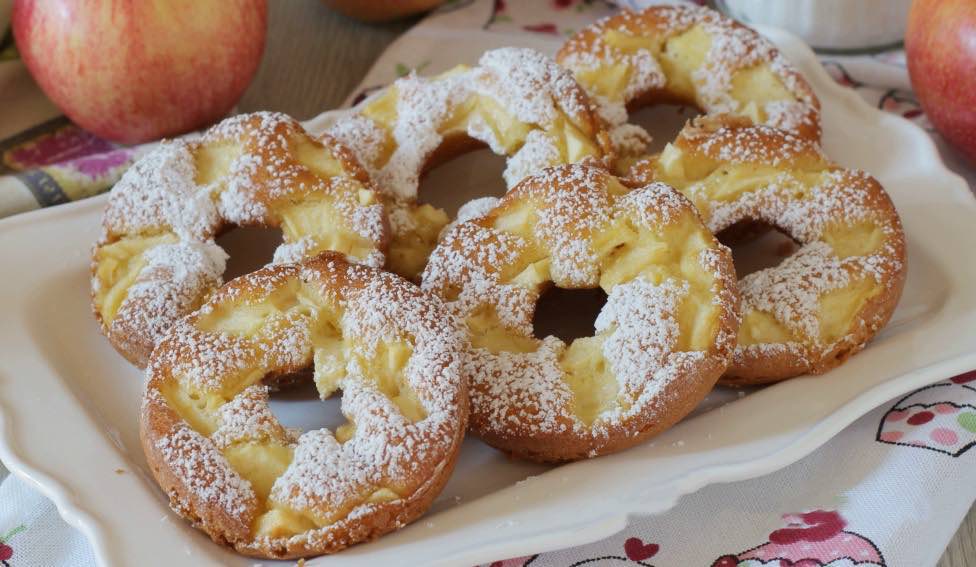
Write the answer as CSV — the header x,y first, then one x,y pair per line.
x,y
381,10
138,70
940,45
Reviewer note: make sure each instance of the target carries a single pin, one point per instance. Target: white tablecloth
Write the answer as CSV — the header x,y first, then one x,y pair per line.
x,y
889,490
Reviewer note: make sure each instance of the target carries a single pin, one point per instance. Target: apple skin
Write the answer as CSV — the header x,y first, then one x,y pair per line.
x,y
138,70
940,45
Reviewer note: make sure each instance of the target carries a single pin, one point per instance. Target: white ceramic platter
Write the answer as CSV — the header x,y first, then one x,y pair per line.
x,y
70,403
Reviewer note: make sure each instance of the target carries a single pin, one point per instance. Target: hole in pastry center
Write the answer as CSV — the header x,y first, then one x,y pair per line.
x,y
756,247
663,122
568,313
469,176
299,406
249,248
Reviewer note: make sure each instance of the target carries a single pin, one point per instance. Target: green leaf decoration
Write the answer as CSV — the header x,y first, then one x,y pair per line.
x,y
6,537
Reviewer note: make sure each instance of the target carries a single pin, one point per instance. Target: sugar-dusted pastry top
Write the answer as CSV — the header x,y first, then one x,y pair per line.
x,y
157,258
822,303
691,55
662,339
233,469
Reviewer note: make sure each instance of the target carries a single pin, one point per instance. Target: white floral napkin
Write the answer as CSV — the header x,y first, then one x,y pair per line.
x,y
890,490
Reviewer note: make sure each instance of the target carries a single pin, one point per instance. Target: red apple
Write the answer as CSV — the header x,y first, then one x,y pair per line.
x,y
940,43
139,70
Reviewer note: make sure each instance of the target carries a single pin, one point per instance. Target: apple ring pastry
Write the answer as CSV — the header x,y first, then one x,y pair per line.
x,y
518,102
689,55
823,302
230,467
157,259
662,339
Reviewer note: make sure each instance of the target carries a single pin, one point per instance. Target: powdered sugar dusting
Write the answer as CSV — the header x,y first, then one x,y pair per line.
x,y
641,343
204,361
171,284
792,290
518,393
328,481
533,86
593,52
159,194
288,252
523,393
466,261
656,204
630,139
363,136
239,200
764,145
248,418
205,472
475,208
797,190
528,86
423,106
574,206
716,261
733,48
537,153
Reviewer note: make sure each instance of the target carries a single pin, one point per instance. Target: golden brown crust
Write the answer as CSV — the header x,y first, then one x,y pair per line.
x,y
199,409
576,227
158,422
786,182
157,259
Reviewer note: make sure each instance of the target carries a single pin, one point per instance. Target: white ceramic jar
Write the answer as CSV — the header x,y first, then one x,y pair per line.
x,y
848,25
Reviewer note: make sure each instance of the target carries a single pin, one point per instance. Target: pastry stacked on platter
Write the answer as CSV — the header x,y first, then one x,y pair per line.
x,y
422,323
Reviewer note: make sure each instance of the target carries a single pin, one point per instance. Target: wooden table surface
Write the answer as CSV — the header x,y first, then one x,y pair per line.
x,y
313,60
